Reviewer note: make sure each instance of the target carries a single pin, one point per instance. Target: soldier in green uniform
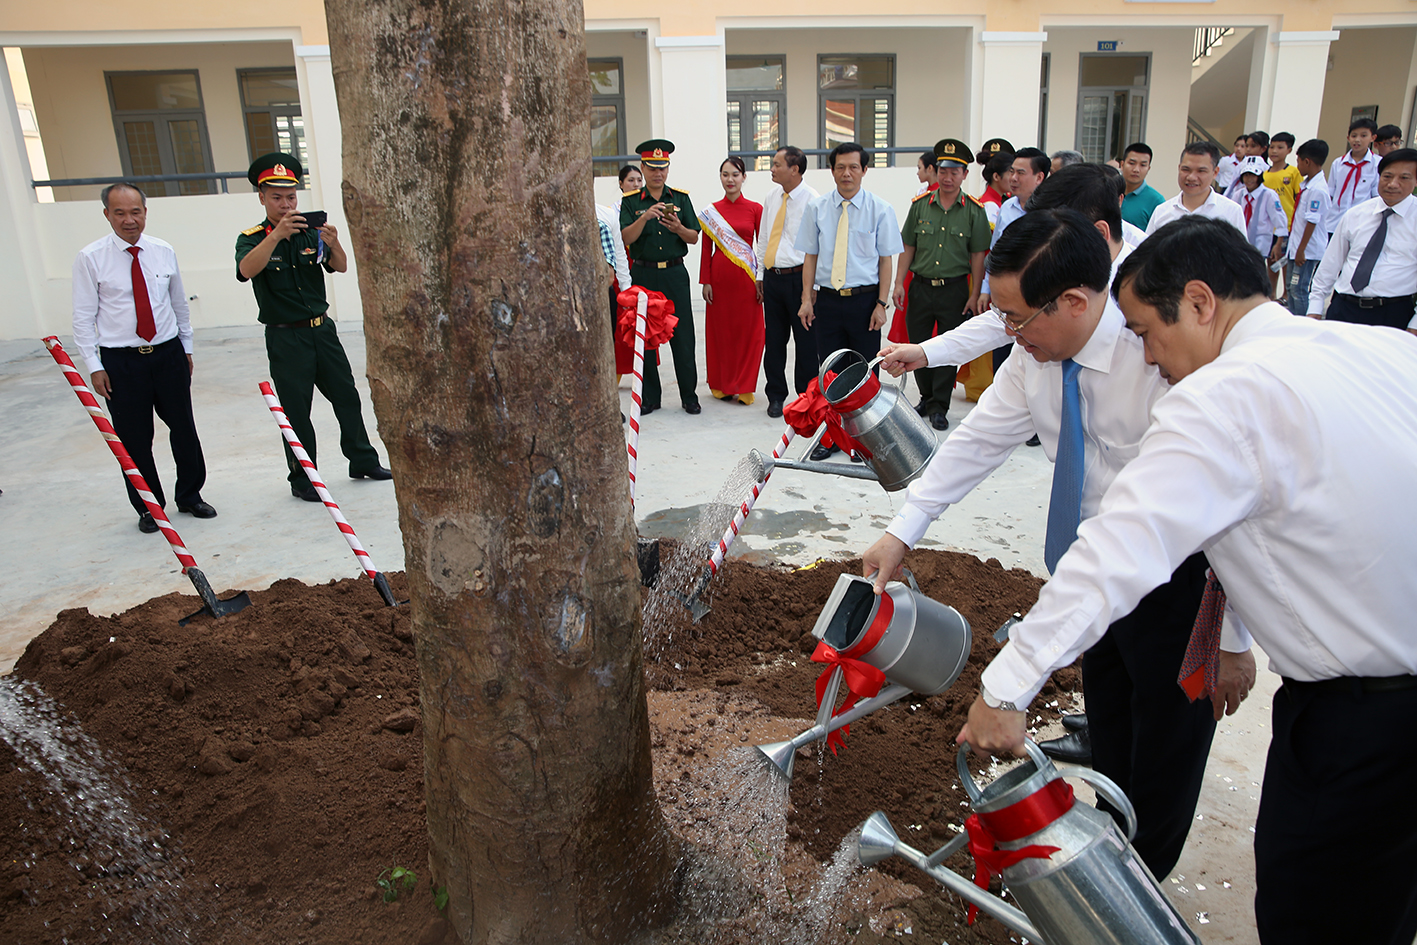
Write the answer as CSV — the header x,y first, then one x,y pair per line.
x,y
946,235
285,261
659,225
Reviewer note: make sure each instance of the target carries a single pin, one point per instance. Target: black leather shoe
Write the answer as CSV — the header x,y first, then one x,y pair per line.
x,y
939,421
198,509
1075,723
920,407
1033,441
1073,748
306,492
857,457
693,409
146,523
822,453
774,408
378,472
646,409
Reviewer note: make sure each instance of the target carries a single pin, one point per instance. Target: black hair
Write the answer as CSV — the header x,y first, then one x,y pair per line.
x,y
1400,156
845,148
1087,188
1193,248
122,185
1052,251
1139,147
1283,137
1040,161
736,162
1242,137
1259,138
1203,147
997,166
1360,123
625,171
1388,133
794,156
928,159
1315,149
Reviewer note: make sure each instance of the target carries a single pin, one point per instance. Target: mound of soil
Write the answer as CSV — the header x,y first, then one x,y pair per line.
x,y
280,749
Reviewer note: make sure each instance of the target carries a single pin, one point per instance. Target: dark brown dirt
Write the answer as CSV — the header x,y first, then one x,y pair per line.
x,y
281,748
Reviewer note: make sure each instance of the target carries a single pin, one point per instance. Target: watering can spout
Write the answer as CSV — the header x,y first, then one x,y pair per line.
x,y
780,756
878,840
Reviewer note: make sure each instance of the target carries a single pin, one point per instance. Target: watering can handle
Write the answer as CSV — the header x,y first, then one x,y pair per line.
x,y
1108,789
1042,761
910,579
871,365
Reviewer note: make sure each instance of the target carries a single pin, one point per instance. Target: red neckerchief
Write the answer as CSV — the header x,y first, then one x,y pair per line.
x,y
1355,172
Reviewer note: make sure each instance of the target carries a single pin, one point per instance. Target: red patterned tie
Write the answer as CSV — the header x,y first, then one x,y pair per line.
x,y
1249,208
1202,660
147,328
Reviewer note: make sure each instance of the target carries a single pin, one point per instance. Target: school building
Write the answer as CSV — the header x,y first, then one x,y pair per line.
x,y
184,96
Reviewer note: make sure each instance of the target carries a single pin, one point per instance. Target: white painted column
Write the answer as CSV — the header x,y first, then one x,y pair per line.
x,y
1300,68
1011,65
323,138
21,265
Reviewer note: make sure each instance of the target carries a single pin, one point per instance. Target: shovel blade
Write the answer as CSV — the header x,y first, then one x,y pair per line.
x,y
210,604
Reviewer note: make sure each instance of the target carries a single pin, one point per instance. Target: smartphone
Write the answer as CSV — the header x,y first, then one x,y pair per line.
x,y
315,219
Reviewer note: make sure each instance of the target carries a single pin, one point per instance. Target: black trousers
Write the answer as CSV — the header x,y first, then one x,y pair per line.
x,y
843,321
1395,313
782,298
303,359
1146,734
1336,837
161,383
674,283
931,306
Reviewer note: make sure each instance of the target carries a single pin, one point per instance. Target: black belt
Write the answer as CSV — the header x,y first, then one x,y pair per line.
x,y
661,264
1351,684
1365,302
784,272
951,280
850,290
142,349
315,322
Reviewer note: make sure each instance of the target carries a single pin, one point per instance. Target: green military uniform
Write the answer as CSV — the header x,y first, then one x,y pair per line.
x,y
943,237
657,263
302,344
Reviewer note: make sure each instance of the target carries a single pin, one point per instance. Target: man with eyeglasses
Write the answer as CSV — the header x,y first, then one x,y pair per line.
x,y
1050,273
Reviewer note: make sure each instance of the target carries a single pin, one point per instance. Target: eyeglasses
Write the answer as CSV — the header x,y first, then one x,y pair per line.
x,y
1018,328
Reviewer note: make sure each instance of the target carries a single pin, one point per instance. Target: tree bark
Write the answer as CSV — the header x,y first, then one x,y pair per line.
x,y
468,193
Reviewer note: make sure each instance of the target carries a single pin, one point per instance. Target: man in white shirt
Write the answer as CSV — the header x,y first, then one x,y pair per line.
x,y
1353,178
1195,174
134,332
781,285
1081,383
1371,262
1296,492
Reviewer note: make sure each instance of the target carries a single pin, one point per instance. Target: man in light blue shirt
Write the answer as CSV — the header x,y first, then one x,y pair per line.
x,y
1031,168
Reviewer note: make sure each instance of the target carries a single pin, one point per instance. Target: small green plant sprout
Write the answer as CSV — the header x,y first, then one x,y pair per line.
x,y
440,898
394,879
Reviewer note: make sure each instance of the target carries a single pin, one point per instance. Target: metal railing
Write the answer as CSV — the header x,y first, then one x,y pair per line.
x,y
810,152
1195,131
1207,38
222,176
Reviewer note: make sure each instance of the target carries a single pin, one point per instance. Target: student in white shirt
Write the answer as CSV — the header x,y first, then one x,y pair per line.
x,y
134,332
1227,167
1371,261
781,285
1266,224
1307,237
1297,494
1195,174
1353,178
1078,379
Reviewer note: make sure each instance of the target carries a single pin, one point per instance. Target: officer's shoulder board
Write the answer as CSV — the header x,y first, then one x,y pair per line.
x,y
253,230
680,190
923,196
975,201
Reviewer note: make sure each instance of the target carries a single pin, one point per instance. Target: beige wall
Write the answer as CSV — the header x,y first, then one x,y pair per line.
x,y
1370,67
76,122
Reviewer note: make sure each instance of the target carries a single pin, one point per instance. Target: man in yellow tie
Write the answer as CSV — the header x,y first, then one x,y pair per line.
x,y
849,238
781,285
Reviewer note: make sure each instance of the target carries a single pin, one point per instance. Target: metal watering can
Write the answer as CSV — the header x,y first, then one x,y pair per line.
x,y
1074,875
901,637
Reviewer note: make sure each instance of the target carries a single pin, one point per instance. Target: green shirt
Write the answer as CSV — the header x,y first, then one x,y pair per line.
x,y
292,286
656,243
1138,206
943,237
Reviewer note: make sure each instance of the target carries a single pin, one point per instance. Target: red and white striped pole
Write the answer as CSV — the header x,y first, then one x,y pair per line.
x,y
716,561
637,384
216,608
313,475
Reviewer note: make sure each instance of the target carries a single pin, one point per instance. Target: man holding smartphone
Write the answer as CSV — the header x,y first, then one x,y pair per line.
x,y
285,258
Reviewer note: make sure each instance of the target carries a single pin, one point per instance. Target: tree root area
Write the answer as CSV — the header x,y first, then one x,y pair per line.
x,y
279,751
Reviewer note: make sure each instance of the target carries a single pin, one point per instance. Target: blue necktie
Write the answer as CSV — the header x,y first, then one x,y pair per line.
x,y
1065,503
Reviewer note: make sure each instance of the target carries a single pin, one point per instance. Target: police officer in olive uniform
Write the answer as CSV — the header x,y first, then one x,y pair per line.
x,y
285,261
946,235
659,224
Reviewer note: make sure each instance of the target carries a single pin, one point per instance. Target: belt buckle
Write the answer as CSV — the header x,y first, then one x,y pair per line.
x,y
663,264
145,349
844,291
1369,303
317,321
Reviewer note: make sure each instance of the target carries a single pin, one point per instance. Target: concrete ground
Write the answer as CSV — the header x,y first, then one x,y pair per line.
x,y
71,538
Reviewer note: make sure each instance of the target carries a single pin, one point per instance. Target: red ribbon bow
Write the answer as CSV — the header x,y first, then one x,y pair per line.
x,y
863,681
1014,822
659,318
810,410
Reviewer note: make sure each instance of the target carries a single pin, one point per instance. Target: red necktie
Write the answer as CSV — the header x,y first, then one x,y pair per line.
x,y
1200,666
1249,208
147,328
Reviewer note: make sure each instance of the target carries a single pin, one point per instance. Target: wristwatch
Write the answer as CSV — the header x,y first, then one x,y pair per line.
x,y
994,702
883,304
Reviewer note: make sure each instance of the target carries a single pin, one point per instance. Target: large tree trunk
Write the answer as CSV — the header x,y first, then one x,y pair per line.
x,y
468,193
